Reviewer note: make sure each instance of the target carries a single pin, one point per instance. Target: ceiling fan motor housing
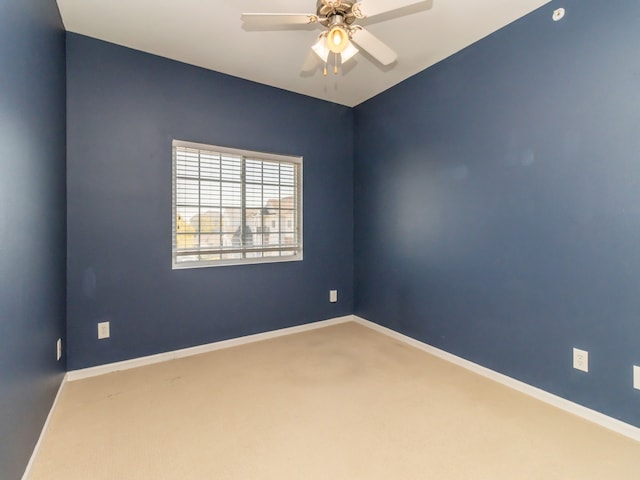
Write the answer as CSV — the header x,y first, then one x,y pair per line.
x,y
330,10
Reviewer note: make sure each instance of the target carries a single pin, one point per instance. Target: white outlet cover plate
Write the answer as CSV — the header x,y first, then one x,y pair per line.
x,y
103,330
636,377
333,296
58,349
581,360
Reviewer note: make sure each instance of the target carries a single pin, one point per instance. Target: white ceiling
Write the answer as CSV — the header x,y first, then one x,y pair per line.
x,y
210,34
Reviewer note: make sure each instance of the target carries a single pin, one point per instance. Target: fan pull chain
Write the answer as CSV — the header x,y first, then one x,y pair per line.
x,y
335,65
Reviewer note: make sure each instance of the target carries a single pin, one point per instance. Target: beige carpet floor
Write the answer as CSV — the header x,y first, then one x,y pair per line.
x,y
341,402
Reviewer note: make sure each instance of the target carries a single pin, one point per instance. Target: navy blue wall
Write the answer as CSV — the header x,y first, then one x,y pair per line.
x,y
32,222
497,203
124,109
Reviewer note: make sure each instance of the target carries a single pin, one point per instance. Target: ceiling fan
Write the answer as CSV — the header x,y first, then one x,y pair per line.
x,y
339,17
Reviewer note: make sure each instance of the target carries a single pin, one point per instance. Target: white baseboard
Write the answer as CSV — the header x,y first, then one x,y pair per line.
x,y
36,449
210,347
588,414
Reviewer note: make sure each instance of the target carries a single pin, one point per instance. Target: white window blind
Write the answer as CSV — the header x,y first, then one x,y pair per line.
x,y
234,206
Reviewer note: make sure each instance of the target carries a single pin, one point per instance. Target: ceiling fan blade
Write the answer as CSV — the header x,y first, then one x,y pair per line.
x,y
280,18
374,47
370,8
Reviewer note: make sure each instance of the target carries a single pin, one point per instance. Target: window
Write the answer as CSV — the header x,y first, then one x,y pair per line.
x,y
234,206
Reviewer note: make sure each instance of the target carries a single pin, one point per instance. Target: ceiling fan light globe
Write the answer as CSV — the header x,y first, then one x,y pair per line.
x,y
320,48
348,53
337,39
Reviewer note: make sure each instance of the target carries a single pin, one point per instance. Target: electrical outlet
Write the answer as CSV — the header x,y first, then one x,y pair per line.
x,y
580,359
103,330
333,296
58,349
636,377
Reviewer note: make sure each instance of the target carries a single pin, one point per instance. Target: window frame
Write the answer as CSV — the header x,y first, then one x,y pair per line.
x,y
296,161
